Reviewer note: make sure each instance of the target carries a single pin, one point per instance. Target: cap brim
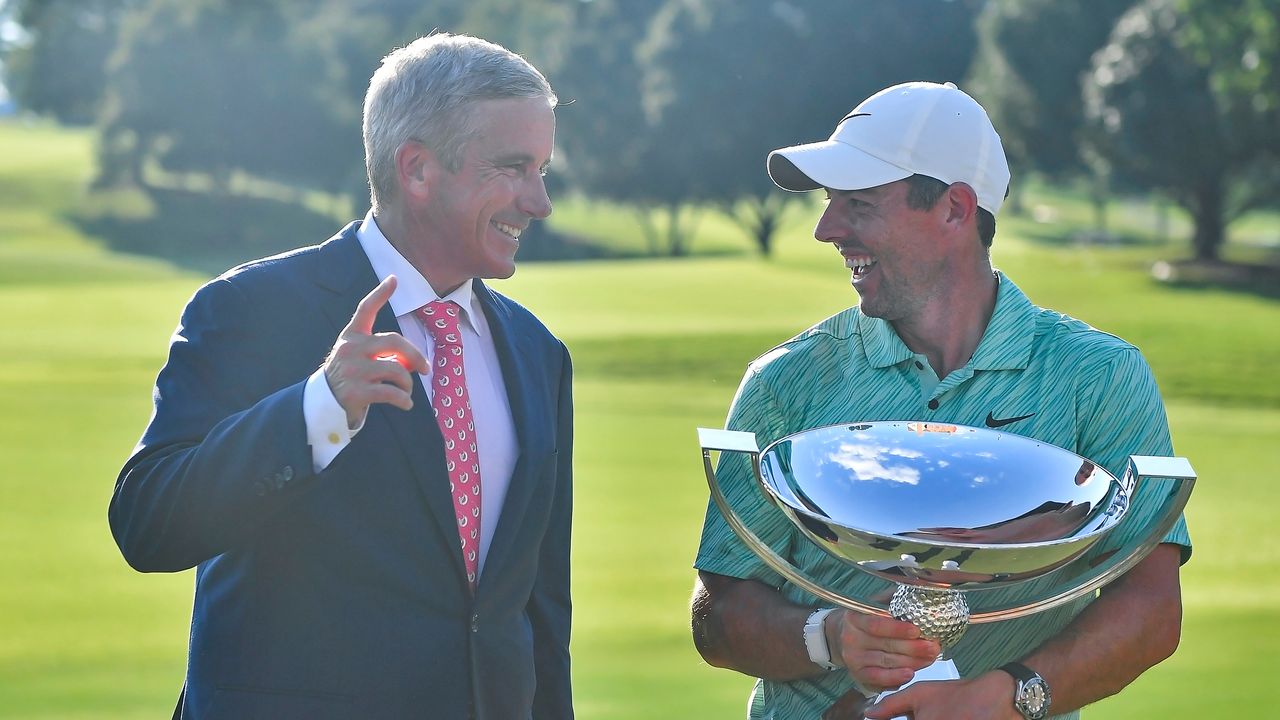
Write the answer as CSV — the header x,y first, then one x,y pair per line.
x,y
829,164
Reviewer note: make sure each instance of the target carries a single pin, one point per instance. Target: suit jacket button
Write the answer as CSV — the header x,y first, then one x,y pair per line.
x,y
287,473
475,623
259,488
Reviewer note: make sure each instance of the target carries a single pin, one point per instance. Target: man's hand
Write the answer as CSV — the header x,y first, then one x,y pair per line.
x,y
366,368
880,653
986,697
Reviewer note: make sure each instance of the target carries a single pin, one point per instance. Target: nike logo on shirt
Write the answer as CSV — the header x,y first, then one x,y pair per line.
x,y
992,422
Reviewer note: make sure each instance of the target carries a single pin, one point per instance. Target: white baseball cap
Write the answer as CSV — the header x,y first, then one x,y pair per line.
x,y
913,128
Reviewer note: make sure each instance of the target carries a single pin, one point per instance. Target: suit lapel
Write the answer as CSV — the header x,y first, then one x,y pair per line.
x,y
518,360
346,272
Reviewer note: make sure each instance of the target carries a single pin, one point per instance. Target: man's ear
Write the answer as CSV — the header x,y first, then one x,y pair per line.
x,y
416,168
961,204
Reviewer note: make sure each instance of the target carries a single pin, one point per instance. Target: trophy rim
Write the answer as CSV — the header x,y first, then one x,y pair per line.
x,y
1078,581
1075,538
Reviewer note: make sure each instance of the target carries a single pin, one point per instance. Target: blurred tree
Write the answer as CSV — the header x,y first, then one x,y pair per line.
x,y
1240,43
1183,97
605,137
215,86
537,29
272,89
60,69
726,82
1032,57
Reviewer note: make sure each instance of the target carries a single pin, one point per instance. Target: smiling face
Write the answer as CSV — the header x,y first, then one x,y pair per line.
x,y
891,250
470,219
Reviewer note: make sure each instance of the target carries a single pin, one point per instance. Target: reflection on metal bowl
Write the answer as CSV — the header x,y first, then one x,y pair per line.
x,y
941,505
936,507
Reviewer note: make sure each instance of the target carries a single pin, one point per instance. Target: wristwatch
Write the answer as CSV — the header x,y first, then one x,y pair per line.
x,y
1032,696
815,640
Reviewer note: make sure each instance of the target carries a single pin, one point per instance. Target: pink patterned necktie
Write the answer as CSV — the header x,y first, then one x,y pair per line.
x,y
452,406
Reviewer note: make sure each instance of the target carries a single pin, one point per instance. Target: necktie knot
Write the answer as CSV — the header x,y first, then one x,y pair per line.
x,y
441,318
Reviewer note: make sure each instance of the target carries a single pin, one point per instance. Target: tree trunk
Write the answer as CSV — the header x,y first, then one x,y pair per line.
x,y
759,217
650,230
1099,197
1209,226
1162,219
675,236
764,233
1017,201
1099,217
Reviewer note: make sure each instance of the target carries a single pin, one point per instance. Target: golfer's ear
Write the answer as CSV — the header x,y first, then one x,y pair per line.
x,y
961,203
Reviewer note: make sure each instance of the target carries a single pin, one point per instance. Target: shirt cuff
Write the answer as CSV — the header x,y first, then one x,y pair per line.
x,y
327,431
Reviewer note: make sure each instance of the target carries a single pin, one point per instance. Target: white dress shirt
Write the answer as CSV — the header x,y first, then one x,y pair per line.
x,y
326,421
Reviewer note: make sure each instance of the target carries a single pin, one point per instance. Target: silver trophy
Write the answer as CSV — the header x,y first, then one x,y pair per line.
x,y
949,512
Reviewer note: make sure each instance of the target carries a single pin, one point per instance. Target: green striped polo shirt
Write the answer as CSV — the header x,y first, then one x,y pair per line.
x,y
1078,388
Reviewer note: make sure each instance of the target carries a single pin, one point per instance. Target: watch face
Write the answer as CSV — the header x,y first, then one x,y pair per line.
x,y
1033,698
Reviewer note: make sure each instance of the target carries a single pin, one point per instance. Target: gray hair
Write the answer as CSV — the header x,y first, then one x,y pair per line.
x,y
422,92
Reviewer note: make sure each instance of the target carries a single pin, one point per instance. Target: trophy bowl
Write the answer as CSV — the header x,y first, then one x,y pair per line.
x,y
948,512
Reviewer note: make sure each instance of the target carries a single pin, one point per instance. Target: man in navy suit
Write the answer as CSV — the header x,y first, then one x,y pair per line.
x,y
358,554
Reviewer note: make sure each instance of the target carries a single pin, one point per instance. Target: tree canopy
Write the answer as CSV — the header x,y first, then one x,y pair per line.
x,y
676,102
726,82
1033,56
1178,108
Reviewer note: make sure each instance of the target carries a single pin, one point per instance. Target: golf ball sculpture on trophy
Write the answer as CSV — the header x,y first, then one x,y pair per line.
x,y
949,513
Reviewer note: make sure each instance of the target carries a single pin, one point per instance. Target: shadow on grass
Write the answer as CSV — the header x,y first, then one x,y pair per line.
x,y
201,232
683,358
208,233
1262,279
1071,236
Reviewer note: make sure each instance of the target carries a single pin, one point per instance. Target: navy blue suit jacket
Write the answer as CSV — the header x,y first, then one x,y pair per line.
x,y
342,594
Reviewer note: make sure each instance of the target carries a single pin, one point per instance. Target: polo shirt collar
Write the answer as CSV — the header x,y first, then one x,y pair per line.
x,y
881,344
1005,345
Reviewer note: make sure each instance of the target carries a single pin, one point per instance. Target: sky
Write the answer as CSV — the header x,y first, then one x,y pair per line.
x,y
10,32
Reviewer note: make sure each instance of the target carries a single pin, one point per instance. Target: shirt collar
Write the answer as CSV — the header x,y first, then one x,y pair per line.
x,y
1007,342
1005,345
412,289
881,344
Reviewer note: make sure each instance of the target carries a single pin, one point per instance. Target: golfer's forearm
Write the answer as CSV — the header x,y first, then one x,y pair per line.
x,y
1134,625
748,626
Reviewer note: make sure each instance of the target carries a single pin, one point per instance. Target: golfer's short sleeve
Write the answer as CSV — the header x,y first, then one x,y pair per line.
x,y
720,550
1125,416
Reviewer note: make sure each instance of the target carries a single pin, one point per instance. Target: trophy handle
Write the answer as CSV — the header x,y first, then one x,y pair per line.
x,y
1142,470
745,442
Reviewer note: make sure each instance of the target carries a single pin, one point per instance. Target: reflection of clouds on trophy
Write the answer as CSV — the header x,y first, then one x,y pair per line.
x,y
872,462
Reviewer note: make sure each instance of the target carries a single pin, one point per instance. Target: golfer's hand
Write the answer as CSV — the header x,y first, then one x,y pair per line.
x,y
986,697
879,653
365,368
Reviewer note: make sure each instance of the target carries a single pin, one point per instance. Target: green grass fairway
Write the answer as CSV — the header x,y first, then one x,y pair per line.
x,y
659,347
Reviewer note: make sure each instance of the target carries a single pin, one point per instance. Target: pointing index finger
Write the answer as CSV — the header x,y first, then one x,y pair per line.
x,y
367,310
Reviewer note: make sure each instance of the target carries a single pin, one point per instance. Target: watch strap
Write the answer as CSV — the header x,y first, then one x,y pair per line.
x,y
815,640
1020,671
